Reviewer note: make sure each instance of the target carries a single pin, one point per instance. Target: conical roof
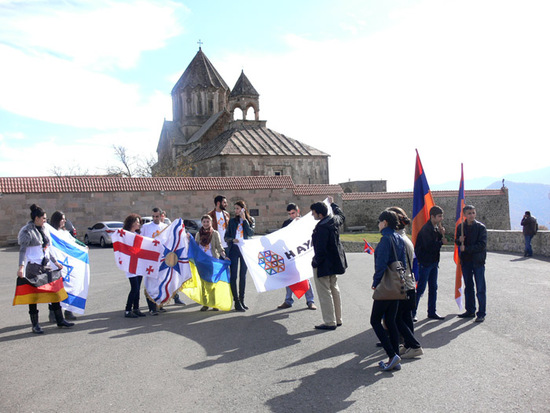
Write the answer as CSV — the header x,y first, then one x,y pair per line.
x,y
243,87
200,72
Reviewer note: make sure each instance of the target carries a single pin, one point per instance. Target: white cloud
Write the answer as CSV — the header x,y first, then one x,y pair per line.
x,y
460,81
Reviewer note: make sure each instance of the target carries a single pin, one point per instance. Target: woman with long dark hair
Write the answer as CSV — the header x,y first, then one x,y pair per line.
x,y
34,269
210,242
132,223
58,221
407,307
387,309
240,227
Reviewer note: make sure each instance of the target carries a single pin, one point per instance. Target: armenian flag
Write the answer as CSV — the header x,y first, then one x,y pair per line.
x,y
209,283
422,199
459,292
368,248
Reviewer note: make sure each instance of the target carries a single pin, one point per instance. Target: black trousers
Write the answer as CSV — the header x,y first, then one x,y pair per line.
x,y
236,259
386,309
404,321
133,296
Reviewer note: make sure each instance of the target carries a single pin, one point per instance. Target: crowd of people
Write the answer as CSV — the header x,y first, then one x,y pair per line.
x,y
392,319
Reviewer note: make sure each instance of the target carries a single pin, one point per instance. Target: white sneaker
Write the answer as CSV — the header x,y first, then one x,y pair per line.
x,y
402,349
412,353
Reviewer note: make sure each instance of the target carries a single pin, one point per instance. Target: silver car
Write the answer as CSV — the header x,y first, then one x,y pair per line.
x,y
101,232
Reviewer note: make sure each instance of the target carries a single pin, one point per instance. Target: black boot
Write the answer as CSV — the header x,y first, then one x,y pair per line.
x,y
61,322
51,315
69,315
239,307
36,329
243,305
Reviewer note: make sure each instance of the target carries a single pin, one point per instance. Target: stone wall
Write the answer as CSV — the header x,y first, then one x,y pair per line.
x,y
85,209
303,169
492,207
513,241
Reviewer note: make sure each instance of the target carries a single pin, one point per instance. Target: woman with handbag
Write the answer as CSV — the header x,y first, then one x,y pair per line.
x,y
389,287
35,273
407,307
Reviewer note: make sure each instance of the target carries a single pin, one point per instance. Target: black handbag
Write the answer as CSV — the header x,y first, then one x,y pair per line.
x,y
392,285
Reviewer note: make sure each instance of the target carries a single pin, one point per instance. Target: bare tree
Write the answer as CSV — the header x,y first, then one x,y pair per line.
x,y
130,165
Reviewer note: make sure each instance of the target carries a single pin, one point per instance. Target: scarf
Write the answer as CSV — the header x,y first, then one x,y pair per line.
x,y
205,236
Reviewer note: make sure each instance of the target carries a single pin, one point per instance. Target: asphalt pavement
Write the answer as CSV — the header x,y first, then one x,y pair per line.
x,y
270,360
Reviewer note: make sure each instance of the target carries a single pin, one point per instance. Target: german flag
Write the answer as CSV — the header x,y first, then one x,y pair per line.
x,y
26,293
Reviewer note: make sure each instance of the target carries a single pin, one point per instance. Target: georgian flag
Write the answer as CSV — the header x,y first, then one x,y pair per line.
x,y
136,254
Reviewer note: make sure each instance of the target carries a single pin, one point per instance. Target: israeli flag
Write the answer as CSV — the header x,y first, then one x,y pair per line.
x,y
76,268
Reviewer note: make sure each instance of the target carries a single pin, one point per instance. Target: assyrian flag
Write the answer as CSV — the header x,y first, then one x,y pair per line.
x,y
459,292
136,254
368,248
209,284
422,199
282,258
76,268
173,264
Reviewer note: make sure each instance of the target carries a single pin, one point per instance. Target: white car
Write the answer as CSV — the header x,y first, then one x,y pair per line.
x,y
101,232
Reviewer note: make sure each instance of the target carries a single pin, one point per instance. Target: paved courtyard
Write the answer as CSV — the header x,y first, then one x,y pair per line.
x,y
270,360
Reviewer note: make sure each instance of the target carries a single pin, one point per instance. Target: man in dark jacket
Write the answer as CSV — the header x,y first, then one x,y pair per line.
x,y
471,237
328,262
294,214
428,244
530,228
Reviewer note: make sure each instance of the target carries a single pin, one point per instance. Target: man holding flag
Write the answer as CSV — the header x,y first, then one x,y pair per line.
x,y
294,214
471,237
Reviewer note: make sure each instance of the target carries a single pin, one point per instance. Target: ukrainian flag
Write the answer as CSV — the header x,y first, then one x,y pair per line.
x,y
209,284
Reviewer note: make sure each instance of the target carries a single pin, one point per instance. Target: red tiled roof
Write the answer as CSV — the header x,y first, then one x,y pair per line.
x,y
54,184
317,189
355,196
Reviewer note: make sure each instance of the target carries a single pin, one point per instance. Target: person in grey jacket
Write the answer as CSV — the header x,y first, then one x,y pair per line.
x,y
34,269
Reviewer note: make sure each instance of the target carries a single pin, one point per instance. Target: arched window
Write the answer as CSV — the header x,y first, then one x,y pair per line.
x,y
238,114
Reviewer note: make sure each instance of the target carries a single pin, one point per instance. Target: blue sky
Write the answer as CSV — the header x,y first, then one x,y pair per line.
x,y
366,81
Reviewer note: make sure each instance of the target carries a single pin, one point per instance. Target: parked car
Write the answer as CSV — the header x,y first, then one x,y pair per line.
x,y
145,220
70,227
191,225
100,233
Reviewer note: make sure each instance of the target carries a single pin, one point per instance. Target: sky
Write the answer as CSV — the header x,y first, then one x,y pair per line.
x,y
366,81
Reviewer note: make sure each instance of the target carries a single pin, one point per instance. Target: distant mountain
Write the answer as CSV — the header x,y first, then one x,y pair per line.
x,y
527,197
539,176
527,191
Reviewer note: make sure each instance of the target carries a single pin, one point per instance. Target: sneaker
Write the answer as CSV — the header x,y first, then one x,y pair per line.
x,y
130,314
480,319
161,310
177,300
204,308
311,306
153,312
402,349
139,313
284,305
412,353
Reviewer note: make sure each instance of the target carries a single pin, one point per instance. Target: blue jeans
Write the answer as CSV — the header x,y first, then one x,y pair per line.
x,y
477,274
309,295
528,248
427,276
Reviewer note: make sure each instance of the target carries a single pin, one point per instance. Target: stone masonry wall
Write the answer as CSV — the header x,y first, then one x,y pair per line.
x,y
85,209
493,211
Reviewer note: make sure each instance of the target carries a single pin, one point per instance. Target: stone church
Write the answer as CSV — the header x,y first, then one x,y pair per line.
x,y
204,139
